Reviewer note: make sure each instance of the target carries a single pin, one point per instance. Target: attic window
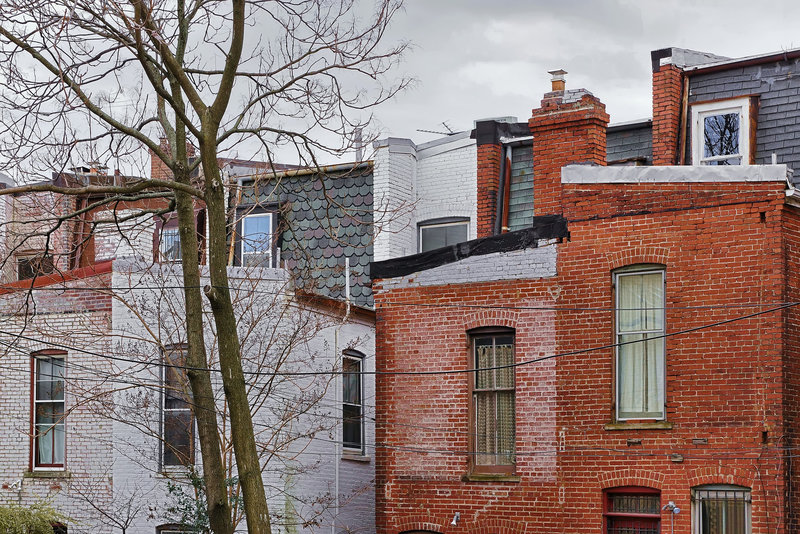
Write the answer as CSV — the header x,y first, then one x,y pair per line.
x,y
721,132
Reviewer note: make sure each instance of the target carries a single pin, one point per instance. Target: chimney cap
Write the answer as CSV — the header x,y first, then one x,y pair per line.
x,y
558,75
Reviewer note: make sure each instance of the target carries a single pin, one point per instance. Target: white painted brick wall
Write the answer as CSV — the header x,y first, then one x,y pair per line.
x,y
415,184
305,471
529,263
120,238
447,185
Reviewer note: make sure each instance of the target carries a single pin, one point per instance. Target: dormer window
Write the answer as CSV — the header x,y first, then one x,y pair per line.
x,y
721,132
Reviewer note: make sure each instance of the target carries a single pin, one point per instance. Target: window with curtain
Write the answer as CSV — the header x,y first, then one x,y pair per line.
x,y
640,355
177,419
493,397
721,509
49,444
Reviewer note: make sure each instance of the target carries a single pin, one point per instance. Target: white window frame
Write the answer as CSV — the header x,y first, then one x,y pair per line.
x,y
243,238
701,492
701,111
35,402
426,226
359,359
662,390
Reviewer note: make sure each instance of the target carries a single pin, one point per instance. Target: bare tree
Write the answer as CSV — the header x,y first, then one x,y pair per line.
x,y
98,79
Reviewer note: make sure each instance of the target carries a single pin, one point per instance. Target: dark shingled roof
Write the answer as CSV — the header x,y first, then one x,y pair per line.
x,y
323,219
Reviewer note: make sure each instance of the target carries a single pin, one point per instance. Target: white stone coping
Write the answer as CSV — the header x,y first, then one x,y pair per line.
x,y
662,174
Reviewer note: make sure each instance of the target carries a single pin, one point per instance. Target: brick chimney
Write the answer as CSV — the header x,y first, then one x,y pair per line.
x,y
569,127
667,89
158,170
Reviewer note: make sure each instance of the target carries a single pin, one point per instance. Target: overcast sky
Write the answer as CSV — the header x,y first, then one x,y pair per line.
x,y
480,58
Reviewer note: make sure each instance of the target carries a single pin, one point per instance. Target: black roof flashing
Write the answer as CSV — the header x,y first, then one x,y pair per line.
x,y
544,227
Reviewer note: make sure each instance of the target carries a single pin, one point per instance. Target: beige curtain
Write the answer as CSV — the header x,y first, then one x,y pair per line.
x,y
640,366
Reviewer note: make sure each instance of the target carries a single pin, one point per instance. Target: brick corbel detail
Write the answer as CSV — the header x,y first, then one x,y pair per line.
x,y
564,133
667,89
488,178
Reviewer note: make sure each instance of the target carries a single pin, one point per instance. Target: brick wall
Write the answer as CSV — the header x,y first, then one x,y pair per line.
x,y
721,246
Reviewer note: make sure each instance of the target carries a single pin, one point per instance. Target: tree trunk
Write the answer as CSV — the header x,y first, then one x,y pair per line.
x,y
219,513
242,435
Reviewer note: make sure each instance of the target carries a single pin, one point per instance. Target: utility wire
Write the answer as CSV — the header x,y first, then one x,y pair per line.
x,y
417,373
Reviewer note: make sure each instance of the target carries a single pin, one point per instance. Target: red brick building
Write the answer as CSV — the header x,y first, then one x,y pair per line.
x,y
638,342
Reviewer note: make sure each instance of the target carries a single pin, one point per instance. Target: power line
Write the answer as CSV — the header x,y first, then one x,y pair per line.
x,y
108,289
420,373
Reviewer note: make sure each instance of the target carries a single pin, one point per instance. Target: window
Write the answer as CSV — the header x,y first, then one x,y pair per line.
x,y
352,401
32,266
493,397
256,240
721,133
441,233
169,248
632,510
721,510
167,238
177,435
640,364
48,411
173,529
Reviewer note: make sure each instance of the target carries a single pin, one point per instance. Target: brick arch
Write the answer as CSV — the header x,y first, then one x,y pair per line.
x,y
634,255
491,317
499,526
631,477
419,522
720,475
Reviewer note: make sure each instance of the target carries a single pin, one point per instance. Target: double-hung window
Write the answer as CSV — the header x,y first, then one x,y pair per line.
x,y
721,132
493,399
177,419
352,401
640,350
49,444
721,509
256,240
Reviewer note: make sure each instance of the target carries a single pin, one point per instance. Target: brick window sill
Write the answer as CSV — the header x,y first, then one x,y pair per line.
x,y
490,477
654,425
56,473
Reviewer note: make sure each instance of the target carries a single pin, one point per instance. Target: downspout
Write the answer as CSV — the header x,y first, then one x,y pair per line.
x,y
501,192
684,121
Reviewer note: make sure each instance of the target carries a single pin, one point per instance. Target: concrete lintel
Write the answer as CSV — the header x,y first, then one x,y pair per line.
x,y
588,174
